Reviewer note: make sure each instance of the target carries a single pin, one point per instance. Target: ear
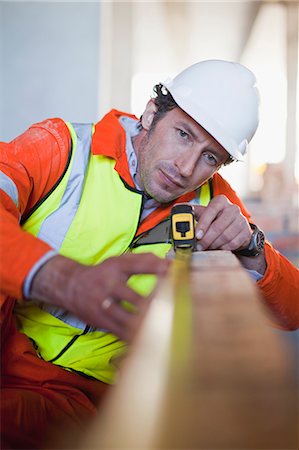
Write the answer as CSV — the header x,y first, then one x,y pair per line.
x,y
148,115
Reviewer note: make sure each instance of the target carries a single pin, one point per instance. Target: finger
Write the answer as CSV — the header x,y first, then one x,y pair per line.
x,y
209,214
235,236
122,332
145,263
124,292
109,317
105,321
228,227
220,231
121,322
236,243
231,239
118,314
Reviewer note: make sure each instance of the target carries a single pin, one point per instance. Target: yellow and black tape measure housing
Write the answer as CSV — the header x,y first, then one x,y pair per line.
x,y
183,226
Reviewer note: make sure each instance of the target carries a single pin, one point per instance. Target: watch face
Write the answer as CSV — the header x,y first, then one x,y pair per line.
x,y
260,240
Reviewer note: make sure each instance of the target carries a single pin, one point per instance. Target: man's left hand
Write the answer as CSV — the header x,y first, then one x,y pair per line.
x,y
221,225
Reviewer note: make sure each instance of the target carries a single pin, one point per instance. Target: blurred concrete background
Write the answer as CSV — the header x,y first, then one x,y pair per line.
x,y
49,63
76,60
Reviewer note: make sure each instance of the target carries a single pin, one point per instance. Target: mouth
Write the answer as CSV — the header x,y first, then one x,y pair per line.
x,y
170,181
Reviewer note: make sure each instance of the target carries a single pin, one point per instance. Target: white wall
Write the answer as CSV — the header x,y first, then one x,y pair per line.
x,y
49,63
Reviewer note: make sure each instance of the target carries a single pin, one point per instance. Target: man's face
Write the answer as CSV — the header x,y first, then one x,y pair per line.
x,y
176,156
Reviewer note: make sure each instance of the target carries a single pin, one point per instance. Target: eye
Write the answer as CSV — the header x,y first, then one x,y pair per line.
x,y
210,158
183,134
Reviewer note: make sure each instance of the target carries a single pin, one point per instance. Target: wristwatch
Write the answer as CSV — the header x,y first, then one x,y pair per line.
x,y
256,244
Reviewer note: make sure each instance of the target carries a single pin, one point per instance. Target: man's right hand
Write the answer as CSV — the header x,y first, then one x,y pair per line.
x,y
94,293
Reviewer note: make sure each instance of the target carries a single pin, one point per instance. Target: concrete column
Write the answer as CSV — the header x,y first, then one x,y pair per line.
x,y
116,56
49,63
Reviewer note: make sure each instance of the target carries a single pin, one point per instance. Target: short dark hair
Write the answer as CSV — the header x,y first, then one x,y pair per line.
x,y
165,102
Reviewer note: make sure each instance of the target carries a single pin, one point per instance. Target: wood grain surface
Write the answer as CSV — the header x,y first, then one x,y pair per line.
x,y
207,369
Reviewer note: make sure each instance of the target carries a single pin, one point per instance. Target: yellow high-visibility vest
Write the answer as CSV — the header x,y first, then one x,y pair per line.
x,y
89,216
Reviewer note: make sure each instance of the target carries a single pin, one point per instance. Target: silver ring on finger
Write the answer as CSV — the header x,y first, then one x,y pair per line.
x,y
106,303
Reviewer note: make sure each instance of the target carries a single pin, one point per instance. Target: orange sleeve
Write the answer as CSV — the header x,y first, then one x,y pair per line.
x,y
280,288
280,284
32,163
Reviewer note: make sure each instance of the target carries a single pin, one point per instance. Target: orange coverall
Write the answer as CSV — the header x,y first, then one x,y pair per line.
x,y
37,395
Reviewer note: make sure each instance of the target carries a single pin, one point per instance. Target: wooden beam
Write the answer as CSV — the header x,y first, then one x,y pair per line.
x,y
206,370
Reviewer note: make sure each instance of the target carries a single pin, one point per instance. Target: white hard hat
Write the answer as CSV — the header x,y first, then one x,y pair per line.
x,y
222,97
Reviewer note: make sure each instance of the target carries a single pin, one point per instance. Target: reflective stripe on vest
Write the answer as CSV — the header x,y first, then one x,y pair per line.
x,y
70,200
90,236
9,187
55,226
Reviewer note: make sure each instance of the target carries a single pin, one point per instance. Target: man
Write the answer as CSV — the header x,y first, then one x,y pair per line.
x,y
85,199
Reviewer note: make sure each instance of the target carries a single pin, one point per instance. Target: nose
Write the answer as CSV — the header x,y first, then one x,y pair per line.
x,y
186,162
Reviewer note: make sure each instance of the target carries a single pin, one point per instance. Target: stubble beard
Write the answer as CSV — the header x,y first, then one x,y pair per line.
x,y
147,172
147,176
149,186
153,191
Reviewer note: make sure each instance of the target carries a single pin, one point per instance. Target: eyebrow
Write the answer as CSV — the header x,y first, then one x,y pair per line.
x,y
186,126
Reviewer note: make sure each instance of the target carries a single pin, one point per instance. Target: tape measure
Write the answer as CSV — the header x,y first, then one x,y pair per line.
x,y
183,226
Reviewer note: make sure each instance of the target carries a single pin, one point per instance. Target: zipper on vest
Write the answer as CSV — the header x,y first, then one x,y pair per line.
x,y
138,222
143,197
35,346
70,343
